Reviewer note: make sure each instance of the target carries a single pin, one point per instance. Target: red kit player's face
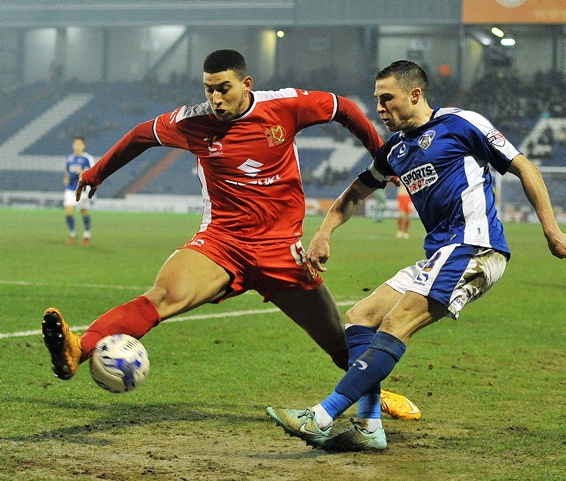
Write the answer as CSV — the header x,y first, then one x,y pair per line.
x,y
228,96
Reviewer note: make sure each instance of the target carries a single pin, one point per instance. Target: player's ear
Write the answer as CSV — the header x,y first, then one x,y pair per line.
x,y
248,83
416,94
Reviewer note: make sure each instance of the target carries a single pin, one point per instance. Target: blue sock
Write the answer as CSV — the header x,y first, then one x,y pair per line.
x,y
358,339
70,223
86,222
366,373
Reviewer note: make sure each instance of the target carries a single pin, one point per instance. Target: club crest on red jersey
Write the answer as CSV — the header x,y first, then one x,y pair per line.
x,y
275,135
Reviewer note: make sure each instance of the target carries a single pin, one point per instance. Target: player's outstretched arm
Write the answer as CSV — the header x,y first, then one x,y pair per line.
x,y
341,210
136,141
537,193
352,118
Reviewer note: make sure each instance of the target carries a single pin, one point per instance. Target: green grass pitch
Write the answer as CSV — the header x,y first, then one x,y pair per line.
x,y
491,385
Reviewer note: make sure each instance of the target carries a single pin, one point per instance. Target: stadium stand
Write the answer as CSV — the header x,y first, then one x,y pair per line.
x,y
40,126
40,120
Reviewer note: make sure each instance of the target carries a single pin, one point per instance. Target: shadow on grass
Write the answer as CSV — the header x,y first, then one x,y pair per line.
x,y
111,417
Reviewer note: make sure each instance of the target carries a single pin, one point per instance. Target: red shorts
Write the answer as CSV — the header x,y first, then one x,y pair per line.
x,y
266,268
404,204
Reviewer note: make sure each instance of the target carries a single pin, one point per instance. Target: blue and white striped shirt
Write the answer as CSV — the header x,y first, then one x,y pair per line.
x,y
444,164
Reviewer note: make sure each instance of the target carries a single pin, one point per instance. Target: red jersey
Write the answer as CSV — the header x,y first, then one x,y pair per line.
x,y
248,167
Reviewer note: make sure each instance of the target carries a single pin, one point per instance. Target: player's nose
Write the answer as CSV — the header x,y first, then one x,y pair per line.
x,y
217,98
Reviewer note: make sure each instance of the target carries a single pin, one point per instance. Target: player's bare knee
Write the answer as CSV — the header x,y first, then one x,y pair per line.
x,y
402,327
158,296
350,317
358,316
400,332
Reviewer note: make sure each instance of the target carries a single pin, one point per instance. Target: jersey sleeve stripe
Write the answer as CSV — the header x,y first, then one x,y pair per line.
x,y
376,174
154,127
335,109
372,178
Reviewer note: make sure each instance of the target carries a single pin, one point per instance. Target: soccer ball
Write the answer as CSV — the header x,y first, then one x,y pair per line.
x,y
119,363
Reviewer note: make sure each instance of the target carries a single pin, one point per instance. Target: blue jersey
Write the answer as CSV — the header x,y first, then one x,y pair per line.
x,y
444,164
76,165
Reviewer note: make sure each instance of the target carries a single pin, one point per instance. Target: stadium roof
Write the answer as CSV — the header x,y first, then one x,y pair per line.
x,y
53,13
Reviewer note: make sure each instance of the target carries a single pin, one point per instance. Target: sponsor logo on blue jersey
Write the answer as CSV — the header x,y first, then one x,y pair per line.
x,y
419,178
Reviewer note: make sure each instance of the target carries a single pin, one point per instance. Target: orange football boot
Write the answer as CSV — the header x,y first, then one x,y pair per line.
x,y
63,345
398,406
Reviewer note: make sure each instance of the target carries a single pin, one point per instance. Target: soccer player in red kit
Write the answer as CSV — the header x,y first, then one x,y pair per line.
x,y
254,206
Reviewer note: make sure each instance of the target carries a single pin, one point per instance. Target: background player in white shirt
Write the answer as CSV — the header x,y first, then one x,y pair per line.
x,y
442,157
76,163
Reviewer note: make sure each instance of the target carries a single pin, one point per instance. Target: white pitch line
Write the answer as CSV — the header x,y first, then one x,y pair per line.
x,y
73,285
175,319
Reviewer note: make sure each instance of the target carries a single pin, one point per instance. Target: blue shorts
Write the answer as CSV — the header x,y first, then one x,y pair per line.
x,y
454,275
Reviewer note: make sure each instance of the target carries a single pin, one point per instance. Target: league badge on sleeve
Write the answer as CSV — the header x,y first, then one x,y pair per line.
x,y
494,137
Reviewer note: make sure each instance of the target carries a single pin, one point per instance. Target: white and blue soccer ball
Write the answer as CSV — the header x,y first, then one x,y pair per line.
x,y
119,363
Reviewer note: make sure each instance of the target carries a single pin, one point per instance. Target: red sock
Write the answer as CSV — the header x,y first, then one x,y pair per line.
x,y
134,318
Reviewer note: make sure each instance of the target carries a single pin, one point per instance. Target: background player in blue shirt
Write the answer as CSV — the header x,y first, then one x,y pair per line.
x,y
76,163
442,156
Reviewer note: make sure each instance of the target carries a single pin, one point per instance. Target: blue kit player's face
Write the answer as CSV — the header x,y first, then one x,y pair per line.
x,y
396,106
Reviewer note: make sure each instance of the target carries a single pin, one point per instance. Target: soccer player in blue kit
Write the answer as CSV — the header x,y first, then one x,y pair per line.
x,y
76,164
442,156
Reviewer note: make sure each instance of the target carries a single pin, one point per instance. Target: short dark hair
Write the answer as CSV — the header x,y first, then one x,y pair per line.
x,y
221,60
408,74
78,137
